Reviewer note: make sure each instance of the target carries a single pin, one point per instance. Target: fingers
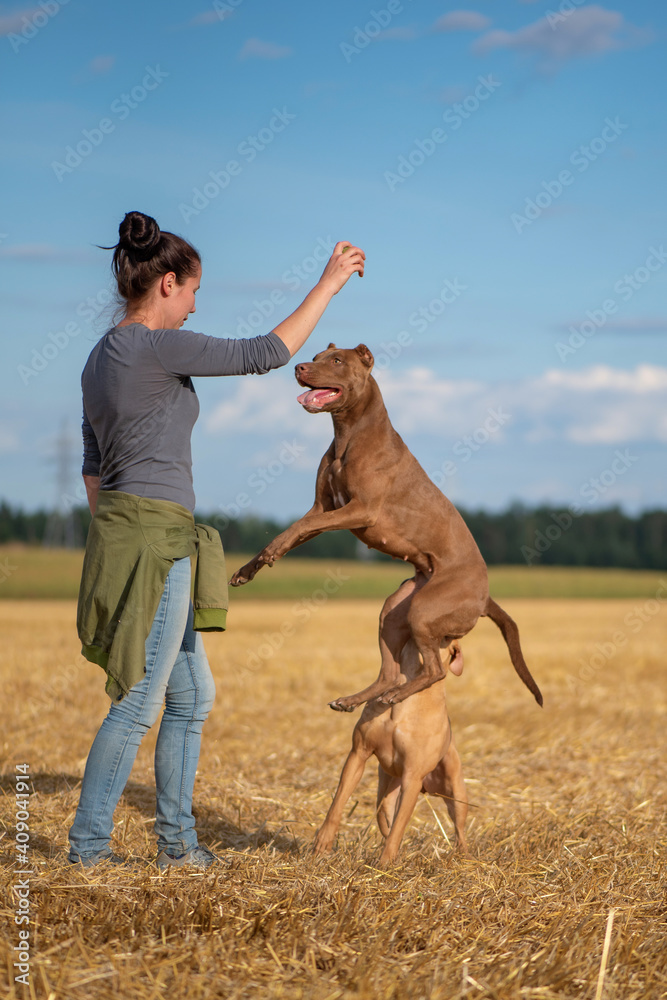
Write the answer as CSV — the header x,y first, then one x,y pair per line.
x,y
347,246
344,261
353,255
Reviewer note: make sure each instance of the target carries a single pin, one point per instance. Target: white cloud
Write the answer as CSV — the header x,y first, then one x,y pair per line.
x,y
399,34
644,379
209,17
419,400
597,405
255,48
256,404
10,23
452,94
637,324
101,64
212,16
461,20
44,252
588,30
29,251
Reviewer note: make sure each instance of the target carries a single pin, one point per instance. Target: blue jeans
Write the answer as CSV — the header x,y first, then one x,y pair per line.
x,y
178,675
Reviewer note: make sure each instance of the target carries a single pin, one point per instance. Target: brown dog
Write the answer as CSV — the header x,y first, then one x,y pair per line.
x,y
413,743
369,482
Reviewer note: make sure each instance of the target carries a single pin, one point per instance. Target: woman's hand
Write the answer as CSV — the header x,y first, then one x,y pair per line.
x,y
344,261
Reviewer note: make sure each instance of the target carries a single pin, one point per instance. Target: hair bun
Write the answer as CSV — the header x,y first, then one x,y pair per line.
x,y
139,235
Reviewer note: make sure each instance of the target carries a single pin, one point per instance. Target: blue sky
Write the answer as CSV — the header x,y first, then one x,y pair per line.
x,y
502,165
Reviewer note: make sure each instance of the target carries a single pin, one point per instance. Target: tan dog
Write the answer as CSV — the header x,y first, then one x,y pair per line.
x,y
414,745
369,482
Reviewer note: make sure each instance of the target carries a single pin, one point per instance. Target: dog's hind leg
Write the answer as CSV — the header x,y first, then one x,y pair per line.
x,y
438,614
409,793
446,780
394,632
389,789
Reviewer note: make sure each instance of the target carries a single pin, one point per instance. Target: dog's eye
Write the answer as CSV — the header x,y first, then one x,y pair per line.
x,y
337,361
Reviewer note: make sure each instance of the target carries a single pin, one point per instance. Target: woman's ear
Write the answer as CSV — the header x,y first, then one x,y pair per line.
x,y
168,283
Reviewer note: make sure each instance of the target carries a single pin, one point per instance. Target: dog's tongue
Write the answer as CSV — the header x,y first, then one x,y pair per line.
x,y
315,397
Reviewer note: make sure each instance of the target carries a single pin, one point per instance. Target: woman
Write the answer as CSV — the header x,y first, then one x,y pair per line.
x,y
135,617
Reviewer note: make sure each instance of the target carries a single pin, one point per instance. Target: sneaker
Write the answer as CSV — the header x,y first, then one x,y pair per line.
x,y
92,860
199,858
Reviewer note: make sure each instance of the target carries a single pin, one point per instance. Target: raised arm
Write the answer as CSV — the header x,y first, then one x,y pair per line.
x,y
184,352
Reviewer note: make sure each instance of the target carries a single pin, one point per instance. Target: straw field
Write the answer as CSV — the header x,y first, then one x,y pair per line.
x,y
563,893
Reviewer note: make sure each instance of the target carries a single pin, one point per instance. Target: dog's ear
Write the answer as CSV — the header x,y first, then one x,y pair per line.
x,y
331,347
365,355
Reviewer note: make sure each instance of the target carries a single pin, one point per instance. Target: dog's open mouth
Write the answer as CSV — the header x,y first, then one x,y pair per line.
x,y
315,399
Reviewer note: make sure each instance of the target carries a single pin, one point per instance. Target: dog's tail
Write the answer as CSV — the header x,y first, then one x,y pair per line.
x,y
510,632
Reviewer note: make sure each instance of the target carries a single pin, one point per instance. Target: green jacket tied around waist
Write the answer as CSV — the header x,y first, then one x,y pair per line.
x,y
132,544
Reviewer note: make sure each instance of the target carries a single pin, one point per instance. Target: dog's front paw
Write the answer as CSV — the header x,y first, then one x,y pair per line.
x,y
391,696
240,577
250,570
341,705
323,843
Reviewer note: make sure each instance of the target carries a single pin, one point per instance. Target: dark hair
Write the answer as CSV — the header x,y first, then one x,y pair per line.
x,y
143,254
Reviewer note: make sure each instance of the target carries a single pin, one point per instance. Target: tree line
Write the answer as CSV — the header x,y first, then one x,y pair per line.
x,y
519,535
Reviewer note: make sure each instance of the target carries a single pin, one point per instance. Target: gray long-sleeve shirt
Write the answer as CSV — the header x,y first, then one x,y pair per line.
x,y
139,403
